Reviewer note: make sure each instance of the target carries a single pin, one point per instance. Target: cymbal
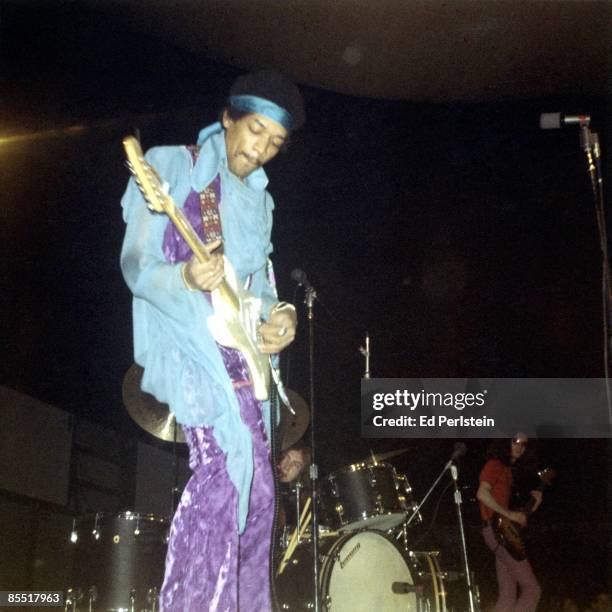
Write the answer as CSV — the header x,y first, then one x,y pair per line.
x,y
153,416
293,426
387,455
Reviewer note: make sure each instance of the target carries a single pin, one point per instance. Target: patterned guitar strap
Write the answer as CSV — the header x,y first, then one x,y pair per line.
x,y
209,205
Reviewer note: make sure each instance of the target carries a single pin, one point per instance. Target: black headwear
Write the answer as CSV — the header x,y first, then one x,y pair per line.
x,y
277,88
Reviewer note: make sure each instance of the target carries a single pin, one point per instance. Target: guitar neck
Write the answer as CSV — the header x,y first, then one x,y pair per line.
x,y
158,200
546,477
177,216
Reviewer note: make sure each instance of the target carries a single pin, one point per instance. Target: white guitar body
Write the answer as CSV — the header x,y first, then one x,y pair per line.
x,y
237,329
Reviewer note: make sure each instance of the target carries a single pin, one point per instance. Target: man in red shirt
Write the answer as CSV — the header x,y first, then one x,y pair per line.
x,y
494,496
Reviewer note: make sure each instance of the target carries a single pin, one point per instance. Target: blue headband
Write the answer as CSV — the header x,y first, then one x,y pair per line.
x,y
261,106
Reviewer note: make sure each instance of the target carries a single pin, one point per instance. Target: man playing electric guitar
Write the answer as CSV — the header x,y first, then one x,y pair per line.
x,y
218,553
494,497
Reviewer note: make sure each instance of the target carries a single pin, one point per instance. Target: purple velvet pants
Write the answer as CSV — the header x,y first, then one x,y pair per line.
x,y
209,567
510,575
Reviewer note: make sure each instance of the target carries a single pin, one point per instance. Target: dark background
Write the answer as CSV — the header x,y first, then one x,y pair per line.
x,y
461,236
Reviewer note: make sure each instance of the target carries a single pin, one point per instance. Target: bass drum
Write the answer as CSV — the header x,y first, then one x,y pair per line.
x,y
360,572
118,561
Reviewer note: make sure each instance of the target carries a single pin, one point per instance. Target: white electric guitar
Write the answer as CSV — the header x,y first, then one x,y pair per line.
x,y
237,312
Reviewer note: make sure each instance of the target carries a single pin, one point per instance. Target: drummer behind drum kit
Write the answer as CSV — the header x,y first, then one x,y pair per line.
x,y
364,511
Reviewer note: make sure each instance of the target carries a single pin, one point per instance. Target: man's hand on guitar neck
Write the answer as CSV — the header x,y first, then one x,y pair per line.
x,y
279,330
207,275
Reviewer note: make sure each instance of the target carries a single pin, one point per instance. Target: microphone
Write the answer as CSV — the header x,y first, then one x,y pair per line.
x,y
554,121
299,276
459,450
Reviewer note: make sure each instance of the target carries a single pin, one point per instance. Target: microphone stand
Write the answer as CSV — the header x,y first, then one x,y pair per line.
x,y
311,295
589,143
416,510
460,450
466,567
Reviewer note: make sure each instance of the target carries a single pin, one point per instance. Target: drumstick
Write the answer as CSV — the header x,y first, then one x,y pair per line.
x,y
302,520
305,509
294,537
305,524
293,544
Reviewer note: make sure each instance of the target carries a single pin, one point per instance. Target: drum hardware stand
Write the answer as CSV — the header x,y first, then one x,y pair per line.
x,y
92,596
96,529
74,536
298,518
73,597
468,576
176,493
153,598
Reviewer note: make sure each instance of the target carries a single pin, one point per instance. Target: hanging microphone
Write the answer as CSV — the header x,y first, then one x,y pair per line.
x,y
299,276
554,121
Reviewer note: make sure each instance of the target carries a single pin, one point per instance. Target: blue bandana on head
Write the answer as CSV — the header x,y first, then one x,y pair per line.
x,y
261,106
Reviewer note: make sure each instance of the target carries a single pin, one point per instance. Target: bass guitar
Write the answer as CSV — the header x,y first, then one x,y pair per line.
x,y
507,533
237,314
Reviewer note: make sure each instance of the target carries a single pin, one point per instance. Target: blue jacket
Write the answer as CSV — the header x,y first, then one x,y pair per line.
x,y
183,366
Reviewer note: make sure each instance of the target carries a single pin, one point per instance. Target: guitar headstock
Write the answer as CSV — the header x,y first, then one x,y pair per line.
x,y
146,177
547,475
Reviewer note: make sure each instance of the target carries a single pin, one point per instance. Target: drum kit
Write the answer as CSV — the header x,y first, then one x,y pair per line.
x,y
366,512
118,558
366,509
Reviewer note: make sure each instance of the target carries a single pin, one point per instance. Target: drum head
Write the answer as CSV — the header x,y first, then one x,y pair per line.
x,y
360,573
